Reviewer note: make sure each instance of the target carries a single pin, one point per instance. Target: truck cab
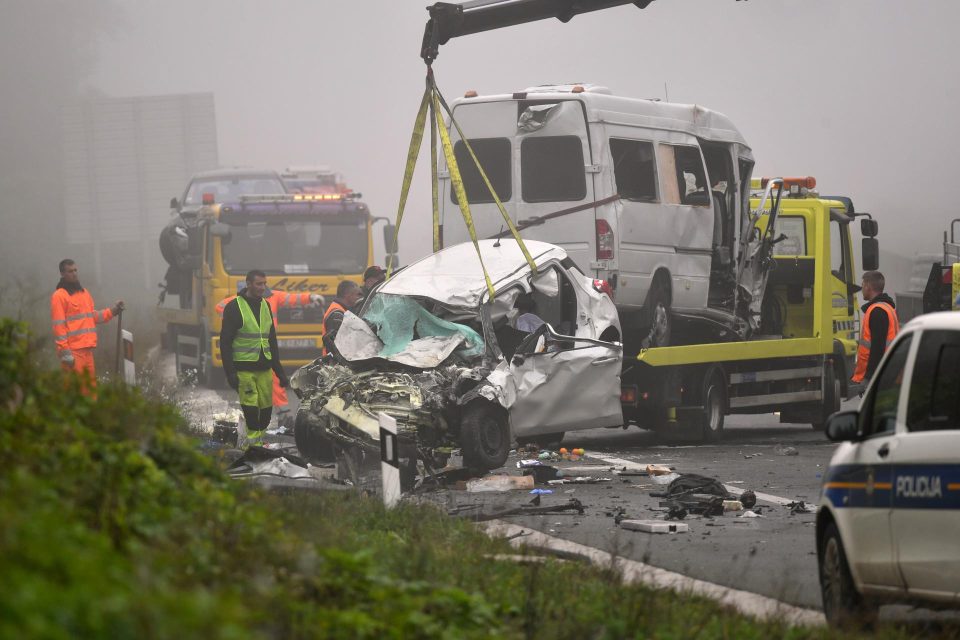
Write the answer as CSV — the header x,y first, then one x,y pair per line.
x,y
647,195
305,243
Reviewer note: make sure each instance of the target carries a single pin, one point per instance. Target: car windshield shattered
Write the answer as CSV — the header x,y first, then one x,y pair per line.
x,y
459,372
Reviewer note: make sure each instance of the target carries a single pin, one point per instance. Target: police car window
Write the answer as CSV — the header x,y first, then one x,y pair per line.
x,y
634,169
552,170
880,410
494,157
934,399
795,243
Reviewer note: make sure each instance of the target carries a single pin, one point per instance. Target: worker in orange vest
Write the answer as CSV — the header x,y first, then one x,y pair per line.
x,y
348,293
878,326
74,321
277,299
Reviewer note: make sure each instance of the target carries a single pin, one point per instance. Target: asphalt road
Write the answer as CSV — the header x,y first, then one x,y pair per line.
x,y
773,555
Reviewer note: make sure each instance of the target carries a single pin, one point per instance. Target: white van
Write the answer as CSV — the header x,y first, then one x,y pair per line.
x,y
647,195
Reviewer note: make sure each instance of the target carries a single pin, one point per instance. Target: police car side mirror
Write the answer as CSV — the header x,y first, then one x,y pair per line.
x,y
842,426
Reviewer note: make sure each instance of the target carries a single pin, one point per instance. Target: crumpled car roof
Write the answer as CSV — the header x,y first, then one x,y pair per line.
x,y
453,275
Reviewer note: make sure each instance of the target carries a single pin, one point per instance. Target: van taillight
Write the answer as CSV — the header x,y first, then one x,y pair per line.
x,y
604,240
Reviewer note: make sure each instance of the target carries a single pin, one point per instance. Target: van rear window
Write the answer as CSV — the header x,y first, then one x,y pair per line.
x,y
633,169
494,156
552,170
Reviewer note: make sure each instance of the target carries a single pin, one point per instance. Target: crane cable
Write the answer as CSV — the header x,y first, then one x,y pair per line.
x,y
434,102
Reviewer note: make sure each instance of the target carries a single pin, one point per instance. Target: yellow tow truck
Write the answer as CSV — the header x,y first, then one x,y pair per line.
x,y
800,360
305,243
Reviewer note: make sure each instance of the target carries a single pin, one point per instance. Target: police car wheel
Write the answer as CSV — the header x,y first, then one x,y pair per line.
x,y
484,436
842,603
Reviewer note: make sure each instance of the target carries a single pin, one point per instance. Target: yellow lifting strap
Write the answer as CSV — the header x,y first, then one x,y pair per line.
x,y
434,102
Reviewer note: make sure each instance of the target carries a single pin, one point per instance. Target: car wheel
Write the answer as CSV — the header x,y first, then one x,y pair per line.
x,y
308,433
484,436
659,325
831,397
544,441
709,420
842,603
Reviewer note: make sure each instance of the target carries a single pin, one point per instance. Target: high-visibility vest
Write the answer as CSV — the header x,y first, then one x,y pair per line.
x,y
334,306
863,349
253,336
74,320
276,299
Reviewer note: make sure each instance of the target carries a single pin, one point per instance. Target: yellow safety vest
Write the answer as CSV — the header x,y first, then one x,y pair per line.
x,y
253,336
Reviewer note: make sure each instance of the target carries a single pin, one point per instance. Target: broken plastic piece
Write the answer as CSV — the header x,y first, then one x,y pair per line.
x,y
655,526
541,492
499,483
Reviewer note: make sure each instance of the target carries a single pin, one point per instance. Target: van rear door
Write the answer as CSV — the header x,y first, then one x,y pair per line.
x,y
549,160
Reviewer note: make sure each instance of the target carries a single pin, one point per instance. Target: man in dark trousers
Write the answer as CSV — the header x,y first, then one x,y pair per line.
x,y
878,326
248,344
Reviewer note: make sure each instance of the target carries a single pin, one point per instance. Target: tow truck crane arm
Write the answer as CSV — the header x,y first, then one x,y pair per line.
x,y
450,20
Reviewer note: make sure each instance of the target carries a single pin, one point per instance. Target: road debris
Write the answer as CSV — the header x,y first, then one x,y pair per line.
x,y
655,526
571,505
658,470
579,480
782,450
542,473
798,507
499,483
749,514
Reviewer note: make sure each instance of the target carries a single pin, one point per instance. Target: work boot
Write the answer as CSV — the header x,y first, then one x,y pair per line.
x,y
254,438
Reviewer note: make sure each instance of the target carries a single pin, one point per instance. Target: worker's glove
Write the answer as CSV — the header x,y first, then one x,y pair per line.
x,y
316,300
233,381
66,358
284,381
118,307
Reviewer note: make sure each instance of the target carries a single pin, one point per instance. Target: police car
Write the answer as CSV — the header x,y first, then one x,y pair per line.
x,y
888,527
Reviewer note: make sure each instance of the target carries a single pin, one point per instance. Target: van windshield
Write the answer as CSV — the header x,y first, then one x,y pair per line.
x,y
334,245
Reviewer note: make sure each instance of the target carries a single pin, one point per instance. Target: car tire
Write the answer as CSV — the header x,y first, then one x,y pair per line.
x,y
658,325
484,436
708,421
830,404
842,603
544,441
308,435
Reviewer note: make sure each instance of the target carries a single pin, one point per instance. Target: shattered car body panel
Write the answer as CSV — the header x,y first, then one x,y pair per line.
x,y
432,351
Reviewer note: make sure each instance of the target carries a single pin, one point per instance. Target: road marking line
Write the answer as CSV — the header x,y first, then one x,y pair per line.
x,y
638,466
746,602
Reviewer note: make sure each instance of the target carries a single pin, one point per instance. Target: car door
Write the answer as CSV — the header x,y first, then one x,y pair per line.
x,y
868,477
926,465
564,383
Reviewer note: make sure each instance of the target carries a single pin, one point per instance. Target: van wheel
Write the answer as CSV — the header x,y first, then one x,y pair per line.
x,y
842,603
714,408
657,310
484,436
308,434
830,403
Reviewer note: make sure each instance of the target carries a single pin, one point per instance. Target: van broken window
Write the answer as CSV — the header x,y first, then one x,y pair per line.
x,y
552,170
494,157
685,181
633,168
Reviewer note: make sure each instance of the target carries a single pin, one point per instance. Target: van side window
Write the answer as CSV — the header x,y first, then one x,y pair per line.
x,y
552,169
934,401
494,156
879,412
684,179
634,169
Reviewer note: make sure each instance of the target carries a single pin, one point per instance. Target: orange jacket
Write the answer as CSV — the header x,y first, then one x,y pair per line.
x,y
74,320
863,350
276,299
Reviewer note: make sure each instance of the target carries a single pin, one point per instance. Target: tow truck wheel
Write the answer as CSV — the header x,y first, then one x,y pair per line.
x,y
308,434
714,405
831,397
484,436
842,603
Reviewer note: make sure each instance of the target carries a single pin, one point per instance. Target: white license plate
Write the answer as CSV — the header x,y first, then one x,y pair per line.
x,y
297,343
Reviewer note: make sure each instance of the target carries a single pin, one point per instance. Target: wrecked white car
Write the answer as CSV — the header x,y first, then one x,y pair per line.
x,y
460,371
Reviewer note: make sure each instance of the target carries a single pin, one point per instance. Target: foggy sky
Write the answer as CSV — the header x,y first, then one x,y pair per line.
x,y
862,94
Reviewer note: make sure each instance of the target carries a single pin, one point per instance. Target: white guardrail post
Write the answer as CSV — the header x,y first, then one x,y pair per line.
x,y
389,460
